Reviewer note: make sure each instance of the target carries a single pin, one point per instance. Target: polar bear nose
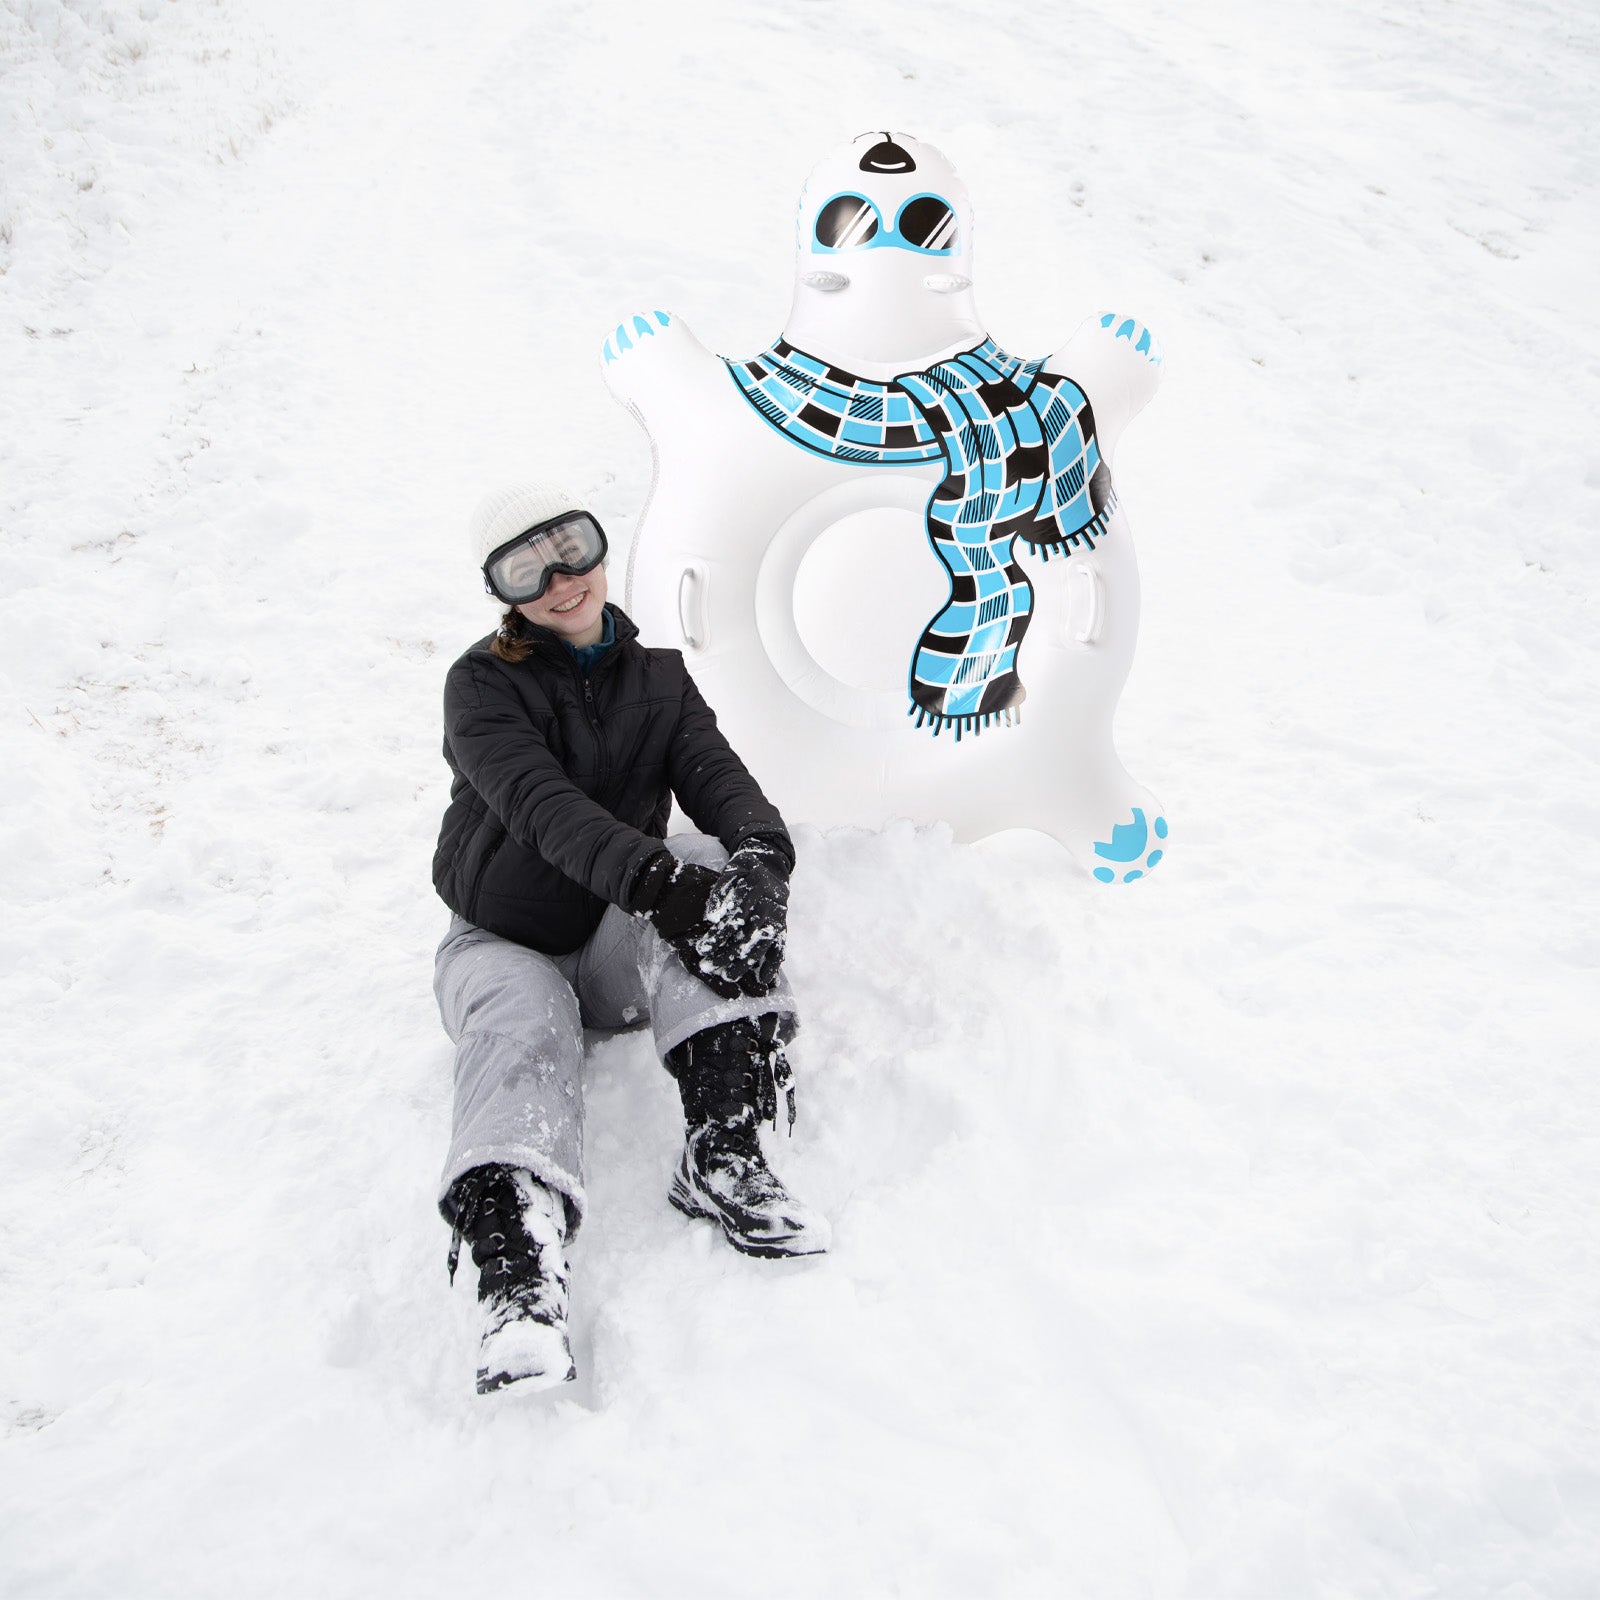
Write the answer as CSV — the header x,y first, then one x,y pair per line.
x,y
887,156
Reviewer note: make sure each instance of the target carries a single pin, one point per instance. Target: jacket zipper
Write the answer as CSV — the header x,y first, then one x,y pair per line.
x,y
590,707
592,711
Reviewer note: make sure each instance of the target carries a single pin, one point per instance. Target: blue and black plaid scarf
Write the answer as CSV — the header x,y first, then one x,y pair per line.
x,y
1020,460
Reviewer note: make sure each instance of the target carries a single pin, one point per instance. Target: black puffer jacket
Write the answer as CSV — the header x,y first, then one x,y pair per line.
x,y
564,783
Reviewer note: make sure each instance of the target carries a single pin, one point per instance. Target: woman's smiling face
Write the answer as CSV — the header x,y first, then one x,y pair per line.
x,y
573,606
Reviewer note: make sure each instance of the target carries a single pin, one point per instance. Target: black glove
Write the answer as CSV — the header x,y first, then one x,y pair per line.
x,y
749,914
673,895
727,928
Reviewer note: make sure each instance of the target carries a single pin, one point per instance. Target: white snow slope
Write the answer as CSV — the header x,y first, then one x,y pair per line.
x,y
1233,1235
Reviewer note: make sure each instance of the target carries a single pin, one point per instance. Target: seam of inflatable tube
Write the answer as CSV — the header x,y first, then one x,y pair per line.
x,y
807,679
644,510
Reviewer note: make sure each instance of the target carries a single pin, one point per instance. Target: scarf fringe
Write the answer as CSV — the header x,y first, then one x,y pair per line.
x,y
1068,544
973,722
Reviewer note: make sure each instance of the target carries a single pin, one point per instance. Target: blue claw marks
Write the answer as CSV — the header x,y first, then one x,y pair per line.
x,y
641,327
1127,844
1135,333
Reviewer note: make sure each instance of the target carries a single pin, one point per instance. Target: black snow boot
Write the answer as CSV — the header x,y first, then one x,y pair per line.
x,y
730,1078
516,1228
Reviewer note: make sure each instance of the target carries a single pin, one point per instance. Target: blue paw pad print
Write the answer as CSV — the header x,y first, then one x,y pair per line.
x,y
1127,845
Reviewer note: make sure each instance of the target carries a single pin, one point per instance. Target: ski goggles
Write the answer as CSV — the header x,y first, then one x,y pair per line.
x,y
925,223
520,570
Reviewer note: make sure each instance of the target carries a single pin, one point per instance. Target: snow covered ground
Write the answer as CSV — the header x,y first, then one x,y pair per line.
x,y
1233,1236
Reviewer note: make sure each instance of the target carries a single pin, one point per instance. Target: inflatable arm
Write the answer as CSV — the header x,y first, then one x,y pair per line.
x,y
647,361
1117,363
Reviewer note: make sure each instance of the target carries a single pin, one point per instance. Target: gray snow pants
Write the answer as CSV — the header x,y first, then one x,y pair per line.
x,y
517,1018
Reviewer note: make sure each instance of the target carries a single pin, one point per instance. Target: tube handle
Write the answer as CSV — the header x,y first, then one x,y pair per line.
x,y
1086,602
693,611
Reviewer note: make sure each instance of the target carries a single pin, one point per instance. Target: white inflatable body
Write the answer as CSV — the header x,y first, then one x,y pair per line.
x,y
851,534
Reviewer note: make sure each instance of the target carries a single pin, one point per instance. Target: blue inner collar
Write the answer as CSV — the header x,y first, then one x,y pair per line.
x,y
587,655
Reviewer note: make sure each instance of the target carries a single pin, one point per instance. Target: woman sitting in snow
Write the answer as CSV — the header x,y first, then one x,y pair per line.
x,y
567,740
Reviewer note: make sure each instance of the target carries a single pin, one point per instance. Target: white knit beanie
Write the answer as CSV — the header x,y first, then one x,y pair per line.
x,y
505,513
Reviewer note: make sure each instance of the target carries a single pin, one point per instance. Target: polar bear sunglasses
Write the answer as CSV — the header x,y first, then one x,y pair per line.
x,y
520,570
925,223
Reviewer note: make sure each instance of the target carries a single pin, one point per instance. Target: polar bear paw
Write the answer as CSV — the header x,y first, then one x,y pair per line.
x,y
629,334
1127,853
1140,340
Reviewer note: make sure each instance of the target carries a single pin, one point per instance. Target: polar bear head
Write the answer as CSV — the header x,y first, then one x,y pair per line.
x,y
883,259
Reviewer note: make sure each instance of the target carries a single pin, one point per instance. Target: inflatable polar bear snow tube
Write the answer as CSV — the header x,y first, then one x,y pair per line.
x,y
851,534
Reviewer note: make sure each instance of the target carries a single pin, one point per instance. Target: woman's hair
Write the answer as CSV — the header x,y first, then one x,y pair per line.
x,y
511,642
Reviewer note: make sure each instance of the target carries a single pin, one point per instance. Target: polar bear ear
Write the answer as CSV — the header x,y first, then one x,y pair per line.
x,y
886,155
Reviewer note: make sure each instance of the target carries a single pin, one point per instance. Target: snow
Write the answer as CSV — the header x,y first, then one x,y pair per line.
x,y
1233,1236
